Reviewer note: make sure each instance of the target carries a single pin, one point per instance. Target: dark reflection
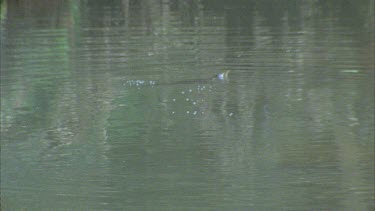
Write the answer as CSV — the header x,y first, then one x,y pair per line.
x,y
112,105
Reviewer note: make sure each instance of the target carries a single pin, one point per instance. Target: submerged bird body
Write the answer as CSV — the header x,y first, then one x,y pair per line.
x,y
221,77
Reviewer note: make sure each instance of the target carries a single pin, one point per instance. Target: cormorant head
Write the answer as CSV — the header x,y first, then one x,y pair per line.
x,y
223,75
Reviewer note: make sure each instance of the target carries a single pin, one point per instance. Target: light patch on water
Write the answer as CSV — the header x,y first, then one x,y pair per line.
x,y
350,71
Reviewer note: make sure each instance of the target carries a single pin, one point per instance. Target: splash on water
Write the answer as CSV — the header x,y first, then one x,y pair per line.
x,y
139,83
195,101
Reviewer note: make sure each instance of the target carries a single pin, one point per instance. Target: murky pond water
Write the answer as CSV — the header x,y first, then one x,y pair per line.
x,y
116,105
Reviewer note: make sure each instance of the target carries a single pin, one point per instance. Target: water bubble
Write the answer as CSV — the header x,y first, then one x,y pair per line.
x,y
187,99
182,92
190,90
174,100
188,112
194,103
195,112
231,114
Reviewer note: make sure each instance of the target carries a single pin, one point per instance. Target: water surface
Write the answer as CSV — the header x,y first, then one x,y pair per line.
x,y
109,105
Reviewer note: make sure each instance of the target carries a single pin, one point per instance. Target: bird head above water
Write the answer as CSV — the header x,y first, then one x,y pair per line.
x,y
222,76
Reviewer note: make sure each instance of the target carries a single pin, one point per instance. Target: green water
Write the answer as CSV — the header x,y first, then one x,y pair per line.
x,y
103,106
